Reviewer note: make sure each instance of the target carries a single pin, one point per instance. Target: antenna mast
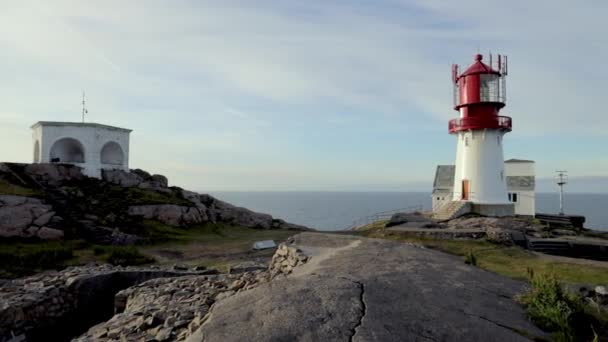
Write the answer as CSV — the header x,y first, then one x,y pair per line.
x,y
562,179
84,108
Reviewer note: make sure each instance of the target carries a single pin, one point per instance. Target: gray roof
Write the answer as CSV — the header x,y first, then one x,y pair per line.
x,y
79,124
512,160
444,177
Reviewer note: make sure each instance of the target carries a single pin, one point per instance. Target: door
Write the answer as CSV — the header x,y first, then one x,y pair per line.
x,y
465,189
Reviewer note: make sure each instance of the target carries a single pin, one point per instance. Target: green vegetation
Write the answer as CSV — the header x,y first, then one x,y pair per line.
x,y
566,315
509,261
470,258
209,245
372,226
18,259
122,255
7,188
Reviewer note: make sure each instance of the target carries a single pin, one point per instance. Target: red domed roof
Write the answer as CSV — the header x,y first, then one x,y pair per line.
x,y
479,68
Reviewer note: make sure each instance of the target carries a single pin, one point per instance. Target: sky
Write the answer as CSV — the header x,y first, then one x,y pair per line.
x,y
316,95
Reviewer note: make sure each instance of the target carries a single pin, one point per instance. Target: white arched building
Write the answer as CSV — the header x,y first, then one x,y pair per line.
x,y
91,146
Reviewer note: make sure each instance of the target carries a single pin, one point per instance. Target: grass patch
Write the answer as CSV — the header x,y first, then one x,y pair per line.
x,y
137,196
566,315
7,188
470,259
20,259
513,262
122,255
372,226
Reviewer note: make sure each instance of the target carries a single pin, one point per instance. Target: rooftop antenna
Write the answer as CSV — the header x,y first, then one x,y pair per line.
x,y
84,108
562,179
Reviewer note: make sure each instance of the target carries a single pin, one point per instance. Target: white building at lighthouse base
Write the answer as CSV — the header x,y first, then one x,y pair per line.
x,y
520,190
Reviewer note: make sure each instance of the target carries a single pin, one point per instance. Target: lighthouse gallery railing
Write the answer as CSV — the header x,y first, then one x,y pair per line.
x,y
493,122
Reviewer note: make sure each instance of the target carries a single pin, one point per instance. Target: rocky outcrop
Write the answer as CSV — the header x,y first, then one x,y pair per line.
x,y
168,309
53,174
373,290
136,178
26,217
170,214
53,303
107,211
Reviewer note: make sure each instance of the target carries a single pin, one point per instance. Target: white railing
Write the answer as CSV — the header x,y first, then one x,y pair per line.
x,y
383,215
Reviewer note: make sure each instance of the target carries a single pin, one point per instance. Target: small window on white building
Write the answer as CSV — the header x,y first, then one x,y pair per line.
x,y
466,141
512,197
498,139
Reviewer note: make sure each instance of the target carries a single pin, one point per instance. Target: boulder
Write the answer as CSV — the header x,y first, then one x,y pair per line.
x,y
141,173
224,212
170,214
53,174
417,220
161,180
17,212
46,233
44,219
11,200
121,177
499,236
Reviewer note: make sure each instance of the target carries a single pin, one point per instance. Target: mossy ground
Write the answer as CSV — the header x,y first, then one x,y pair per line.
x,y
7,188
216,245
513,262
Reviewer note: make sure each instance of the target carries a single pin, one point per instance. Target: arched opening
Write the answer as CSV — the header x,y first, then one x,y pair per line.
x,y
37,152
111,153
67,150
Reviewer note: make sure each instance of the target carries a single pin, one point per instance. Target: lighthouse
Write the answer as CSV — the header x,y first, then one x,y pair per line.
x,y
479,181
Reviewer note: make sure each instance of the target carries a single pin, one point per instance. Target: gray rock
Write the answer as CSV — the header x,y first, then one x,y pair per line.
x,y
499,236
46,233
416,219
170,214
160,180
122,178
44,219
373,290
53,174
601,290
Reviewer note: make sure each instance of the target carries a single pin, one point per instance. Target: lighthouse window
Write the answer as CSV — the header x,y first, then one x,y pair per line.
x,y
466,141
489,87
498,139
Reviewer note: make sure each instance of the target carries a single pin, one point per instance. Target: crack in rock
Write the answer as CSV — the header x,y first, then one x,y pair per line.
x,y
363,307
515,330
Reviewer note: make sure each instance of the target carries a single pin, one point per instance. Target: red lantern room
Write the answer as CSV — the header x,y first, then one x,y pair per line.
x,y
479,94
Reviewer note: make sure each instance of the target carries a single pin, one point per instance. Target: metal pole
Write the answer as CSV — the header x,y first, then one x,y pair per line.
x,y
561,200
562,179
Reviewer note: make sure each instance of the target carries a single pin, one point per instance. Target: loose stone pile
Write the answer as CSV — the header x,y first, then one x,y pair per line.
x,y
169,309
285,259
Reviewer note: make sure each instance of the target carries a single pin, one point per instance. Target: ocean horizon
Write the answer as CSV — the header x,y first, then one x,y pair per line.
x,y
338,210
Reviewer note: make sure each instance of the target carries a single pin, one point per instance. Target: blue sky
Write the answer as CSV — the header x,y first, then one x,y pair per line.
x,y
305,95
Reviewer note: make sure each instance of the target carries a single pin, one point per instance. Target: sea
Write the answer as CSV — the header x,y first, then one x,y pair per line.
x,y
340,210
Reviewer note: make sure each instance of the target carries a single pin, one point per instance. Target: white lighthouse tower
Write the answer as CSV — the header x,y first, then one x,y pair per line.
x,y
479,175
